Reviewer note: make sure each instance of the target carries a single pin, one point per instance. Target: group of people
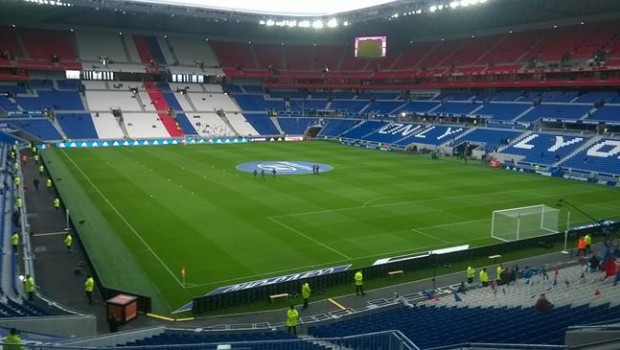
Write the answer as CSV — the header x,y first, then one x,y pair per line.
x,y
503,275
292,315
262,173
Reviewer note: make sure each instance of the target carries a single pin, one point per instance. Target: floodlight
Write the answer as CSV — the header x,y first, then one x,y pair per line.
x,y
304,24
440,7
261,22
270,23
346,23
332,23
454,4
292,23
433,8
318,24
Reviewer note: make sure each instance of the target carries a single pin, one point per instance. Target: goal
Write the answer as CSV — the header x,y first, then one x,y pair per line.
x,y
526,222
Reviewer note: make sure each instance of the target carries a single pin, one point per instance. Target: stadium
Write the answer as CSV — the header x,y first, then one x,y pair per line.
x,y
377,174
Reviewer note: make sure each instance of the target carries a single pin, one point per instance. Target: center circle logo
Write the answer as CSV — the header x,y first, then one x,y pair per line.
x,y
284,167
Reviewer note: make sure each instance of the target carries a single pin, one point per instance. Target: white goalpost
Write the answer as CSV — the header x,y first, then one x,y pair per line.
x,y
526,222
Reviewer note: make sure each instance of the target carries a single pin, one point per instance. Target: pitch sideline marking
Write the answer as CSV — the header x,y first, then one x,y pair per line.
x,y
308,237
148,247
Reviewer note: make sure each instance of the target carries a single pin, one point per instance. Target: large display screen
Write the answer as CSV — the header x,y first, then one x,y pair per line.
x,y
370,46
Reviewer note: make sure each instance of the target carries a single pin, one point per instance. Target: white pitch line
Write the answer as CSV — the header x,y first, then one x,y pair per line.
x,y
366,206
123,219
429,236
50,234
334,263
308,237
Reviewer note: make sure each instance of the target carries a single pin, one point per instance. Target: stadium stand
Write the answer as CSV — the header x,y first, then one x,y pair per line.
x,y
505,315
490,138
503,111
39,128
555,111
335,127
606,113
107,126
601,157
366,128
542,148
93,45
261,123
78,126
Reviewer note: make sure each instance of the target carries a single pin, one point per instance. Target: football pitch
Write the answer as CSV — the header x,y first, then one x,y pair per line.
x,y
146,213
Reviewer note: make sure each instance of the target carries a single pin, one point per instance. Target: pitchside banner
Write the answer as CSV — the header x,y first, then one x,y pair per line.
x,y
146,142
268,281
274,280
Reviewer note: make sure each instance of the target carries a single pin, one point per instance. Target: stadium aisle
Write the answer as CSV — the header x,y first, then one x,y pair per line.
x,y
59,275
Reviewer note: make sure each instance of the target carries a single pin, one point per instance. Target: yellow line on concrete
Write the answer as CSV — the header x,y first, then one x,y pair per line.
x,y
160,317
184,319
337,304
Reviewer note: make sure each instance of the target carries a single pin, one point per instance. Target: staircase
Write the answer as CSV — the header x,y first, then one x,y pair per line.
x,y
58,127
585,146
322,343
121,123
125,49
222,116
274,120
189,102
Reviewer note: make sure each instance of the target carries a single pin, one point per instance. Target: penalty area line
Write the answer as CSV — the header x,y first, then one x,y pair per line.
x,y
308,238
429,236
148,247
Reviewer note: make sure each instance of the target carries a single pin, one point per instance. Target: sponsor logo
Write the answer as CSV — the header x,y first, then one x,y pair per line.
x,y
266,282
283,167
279,279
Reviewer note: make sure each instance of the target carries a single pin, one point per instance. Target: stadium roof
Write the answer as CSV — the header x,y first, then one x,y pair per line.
x,y
489,17
276,7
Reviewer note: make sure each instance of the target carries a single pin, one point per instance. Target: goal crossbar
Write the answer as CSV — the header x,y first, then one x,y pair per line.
x,y
524,222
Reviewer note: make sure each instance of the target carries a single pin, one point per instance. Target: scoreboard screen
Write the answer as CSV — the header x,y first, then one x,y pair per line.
x,y
370,47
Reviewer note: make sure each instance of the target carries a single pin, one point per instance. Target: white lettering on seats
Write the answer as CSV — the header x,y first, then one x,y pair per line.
x,y
596,150
449,132
559,143
523,144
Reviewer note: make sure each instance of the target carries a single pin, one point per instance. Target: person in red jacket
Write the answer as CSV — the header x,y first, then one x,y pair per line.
x,y
542,304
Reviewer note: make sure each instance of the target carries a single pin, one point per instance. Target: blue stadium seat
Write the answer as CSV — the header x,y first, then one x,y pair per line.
x,y
364,129
602,157
261,123
38,127
491,138
335,127
78,126
546,149
556,111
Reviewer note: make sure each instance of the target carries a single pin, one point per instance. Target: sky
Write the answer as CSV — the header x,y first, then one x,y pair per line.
x,y
277,7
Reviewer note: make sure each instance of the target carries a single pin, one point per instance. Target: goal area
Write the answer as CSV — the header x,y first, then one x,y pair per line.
x,y
526,222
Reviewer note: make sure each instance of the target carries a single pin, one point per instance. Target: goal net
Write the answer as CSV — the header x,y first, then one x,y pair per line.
x,y
525,222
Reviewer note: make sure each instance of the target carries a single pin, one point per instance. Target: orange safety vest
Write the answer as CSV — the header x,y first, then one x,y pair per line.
x,y
581,244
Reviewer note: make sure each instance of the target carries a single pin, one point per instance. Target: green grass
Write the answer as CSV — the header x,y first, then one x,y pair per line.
x,y
149,211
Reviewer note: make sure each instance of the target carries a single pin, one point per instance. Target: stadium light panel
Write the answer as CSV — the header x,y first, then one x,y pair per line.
x,y
318,24
433,8
299,8
270,23
304,24
346,23
332,23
